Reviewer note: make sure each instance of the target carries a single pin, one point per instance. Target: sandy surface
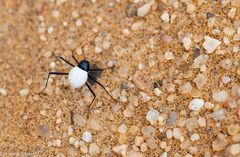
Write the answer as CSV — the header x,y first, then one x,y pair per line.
x,y
154,51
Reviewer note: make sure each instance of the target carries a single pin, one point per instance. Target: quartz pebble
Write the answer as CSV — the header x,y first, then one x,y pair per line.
x,y
196,104
3,91
94,149
169,55
195,137
177,133
121,149
172,118
220,96
218,115
143,10
23,92
122,128
220,143
79,119
235,149
202,122
152,116
137,25
187,42
233,129
44,130
87,136
192,124
138,140
93,124
226,64
185,88
148,131
210,44
165,16
200,81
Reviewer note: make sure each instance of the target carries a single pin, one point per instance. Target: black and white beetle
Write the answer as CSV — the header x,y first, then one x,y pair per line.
x,y
79,75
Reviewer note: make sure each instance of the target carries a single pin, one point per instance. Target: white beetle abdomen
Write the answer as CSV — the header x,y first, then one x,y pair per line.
x,y
77,77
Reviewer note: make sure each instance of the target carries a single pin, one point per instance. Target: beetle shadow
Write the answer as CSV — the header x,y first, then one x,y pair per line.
x,y
94,74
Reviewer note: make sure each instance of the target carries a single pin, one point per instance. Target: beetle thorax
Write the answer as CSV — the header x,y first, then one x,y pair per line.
x,y
77,77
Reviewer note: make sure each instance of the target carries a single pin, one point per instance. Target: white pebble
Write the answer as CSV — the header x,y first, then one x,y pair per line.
x,y
187,42
195,137
226,64
24,92
70,131
98,49
165,16
152,116
75,14
106,44
87,136
228,31
157,92
94,149
164,154
177,133
57,143
196,104
55,13
235,149
210,44
3,91
202,122
168,55
220,96
78,23
137,25
218,115
50,30
122,128
169,134
143,10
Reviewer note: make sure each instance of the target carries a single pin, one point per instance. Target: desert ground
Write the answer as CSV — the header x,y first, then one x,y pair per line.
x,y
173,77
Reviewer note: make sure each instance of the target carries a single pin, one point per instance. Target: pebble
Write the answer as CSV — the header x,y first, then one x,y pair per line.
x,y
129,111
168,55
220,96
210,44
122,128
187,42
192,124
148,131
23,92
79,119
195,137
152,116
218,115
196,104
169,134
123,71
226,64
55,13
209,105
121,149
185,88
220,143
157,92
235,149
47,54
57,143
144,147
94,149
228,31
199,61
93,124
165,17
177,134
106,44
172,118
140,81
87,136
233,129
3,91
143,10
138,140
202,122
200,80
78,23
84,148
137,25
44,130
152,143
144,97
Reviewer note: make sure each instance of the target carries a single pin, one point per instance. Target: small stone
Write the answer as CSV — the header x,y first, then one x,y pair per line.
x,y
3,91
172,118
185,88
23,92
164,154
177,133
75,14
78,23
144,97
137,25
47,54
192,124
57,143
165,17
195,137
93,124
169,134
169,55
152,116
187,42
209,105
98,49
148,131
94,149
210,44
87,136
129,111
235,149
79,119
220,143
202,122
122,128
233,129
220,96
144,147
84,149
157,92
50,30
121,149
196,104
44,130
226,64
152,143
200,81
139,140
143,10
225,79
140,81
218,115
123,71
229,31
106,44
191,8
55,13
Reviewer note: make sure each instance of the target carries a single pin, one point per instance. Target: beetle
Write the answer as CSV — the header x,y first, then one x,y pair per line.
x,y
79,75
